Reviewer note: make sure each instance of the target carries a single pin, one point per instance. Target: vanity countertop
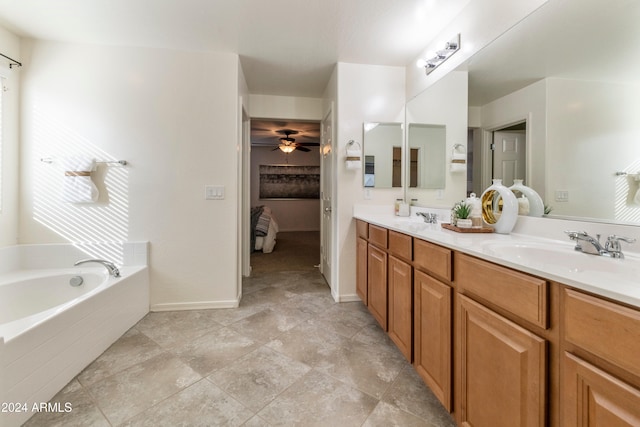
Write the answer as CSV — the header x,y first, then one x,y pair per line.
x,y
556,260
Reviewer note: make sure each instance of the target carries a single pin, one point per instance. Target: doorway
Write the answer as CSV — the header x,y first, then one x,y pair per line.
x,y
499,153
284,176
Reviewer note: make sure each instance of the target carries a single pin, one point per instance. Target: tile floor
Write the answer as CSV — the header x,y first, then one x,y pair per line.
x,y
287,356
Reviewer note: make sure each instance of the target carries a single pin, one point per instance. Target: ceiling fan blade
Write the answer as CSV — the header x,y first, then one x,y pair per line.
x,y
302,148
309,144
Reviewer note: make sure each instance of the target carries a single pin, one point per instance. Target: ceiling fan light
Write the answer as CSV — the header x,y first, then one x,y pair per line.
x,y
286,148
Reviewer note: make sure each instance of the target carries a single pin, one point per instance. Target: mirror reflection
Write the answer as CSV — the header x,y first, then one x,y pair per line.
x,y
382,155
427,155
575,91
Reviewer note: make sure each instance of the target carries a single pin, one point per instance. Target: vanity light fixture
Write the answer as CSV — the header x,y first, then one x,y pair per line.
x,y
451,47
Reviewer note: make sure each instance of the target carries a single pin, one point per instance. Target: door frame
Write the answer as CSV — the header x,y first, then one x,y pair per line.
x,y
329,181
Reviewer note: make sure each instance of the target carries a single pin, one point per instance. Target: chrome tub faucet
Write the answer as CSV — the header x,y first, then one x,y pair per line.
x,y
111,267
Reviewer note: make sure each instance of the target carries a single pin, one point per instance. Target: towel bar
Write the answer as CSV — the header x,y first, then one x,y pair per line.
x,y
120,162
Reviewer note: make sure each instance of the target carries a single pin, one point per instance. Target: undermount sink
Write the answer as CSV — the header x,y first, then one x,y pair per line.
x,y
564,258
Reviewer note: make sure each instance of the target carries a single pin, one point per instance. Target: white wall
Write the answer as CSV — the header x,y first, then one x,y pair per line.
x,y
10,46
527,103
291,215
590,138
444,103
365,93
174,116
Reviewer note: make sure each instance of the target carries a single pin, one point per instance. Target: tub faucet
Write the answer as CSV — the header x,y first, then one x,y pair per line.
x,y
111,267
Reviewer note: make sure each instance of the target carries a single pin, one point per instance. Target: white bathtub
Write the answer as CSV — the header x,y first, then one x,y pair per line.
x,y
50,330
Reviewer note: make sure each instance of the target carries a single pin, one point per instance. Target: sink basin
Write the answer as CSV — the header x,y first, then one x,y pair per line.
x,y
564,259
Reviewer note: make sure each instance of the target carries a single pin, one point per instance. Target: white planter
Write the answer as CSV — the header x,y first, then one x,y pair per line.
x,y
464,223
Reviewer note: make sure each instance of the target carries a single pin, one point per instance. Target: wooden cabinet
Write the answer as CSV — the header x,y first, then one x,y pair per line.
x,y
601,373
502,370
361,269
593,398
401,306
432,335
377,284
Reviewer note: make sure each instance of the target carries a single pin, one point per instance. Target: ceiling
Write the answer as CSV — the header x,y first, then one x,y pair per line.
x,y
286,47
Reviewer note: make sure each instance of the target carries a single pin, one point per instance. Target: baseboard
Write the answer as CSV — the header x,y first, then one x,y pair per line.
x,y
204,305
347,298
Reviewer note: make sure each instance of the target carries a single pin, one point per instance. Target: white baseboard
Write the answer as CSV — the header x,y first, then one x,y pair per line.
x,y
203,305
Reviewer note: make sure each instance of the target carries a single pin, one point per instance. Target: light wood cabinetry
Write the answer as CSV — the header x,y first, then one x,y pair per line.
x,y
377,284
497,346
401,306
502,370
601,370
432,335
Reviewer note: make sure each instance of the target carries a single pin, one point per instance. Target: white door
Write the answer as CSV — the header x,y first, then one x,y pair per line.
x,y
326,172
509,156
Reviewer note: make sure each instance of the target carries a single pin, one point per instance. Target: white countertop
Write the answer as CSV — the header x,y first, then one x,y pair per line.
x,y
556,260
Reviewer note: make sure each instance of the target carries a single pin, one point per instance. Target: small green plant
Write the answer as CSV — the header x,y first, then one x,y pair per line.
x,y
462,210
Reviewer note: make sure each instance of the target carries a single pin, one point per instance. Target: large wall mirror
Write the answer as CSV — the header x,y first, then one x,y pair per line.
x,y
382,155
570,73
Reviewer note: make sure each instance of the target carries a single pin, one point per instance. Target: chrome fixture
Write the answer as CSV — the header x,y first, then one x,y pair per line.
x,y
613,245
111,267
451,47
591,245
76,281
429,217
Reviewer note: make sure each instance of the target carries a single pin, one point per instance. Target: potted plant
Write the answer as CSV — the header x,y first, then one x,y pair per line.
x,y
462,212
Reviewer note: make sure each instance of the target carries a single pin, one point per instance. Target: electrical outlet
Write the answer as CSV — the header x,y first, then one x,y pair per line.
x,y
439,194
367,194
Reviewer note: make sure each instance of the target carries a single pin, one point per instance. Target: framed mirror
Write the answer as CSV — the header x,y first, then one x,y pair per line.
x,y
382,155
570,72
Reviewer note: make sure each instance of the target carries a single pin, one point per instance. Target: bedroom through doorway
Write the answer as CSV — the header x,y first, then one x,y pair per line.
x,y
285,197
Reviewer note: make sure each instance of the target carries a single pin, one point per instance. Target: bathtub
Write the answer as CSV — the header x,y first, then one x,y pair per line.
x,y
49,330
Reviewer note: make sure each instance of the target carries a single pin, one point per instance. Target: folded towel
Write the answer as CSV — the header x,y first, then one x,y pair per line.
x,y
78,186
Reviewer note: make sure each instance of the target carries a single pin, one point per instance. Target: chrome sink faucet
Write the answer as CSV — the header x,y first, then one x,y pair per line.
x,y
591,245
111,267
429,217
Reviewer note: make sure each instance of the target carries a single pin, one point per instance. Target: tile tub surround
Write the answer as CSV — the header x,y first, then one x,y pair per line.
x,y
607,277
309,361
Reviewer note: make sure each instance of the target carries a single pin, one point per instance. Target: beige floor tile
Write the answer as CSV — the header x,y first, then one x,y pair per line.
x,y
309,343
387,415
215,350
170,328
200,405
370,368
123,395
411,394
132,348
319,400
258,377
83,411
270,323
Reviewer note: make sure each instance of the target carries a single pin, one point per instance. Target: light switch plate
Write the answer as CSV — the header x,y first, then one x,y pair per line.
x,y
214,192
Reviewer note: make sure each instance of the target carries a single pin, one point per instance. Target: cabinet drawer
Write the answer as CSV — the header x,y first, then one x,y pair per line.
x,y
522,295
432,258
603,328
362,229
378,236
400,245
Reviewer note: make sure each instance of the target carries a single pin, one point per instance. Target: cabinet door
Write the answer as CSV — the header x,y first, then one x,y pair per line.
x,y
401,306
361,269
377,284
501,370
593,398
432,335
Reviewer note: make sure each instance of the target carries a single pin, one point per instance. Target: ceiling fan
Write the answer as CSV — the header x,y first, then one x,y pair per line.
x,y
286,136
288,144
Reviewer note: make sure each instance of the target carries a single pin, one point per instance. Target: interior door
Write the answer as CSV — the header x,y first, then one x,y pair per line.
x,y
326,172
509,156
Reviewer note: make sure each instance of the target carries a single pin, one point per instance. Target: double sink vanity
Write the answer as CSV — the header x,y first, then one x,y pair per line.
x,y
506,330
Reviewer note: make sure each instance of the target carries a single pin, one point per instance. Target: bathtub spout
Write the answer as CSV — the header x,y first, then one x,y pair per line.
x,y
111,267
